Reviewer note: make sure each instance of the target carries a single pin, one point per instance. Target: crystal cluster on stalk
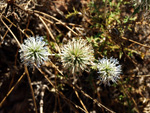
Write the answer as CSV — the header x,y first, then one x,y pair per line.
x,y
109,70
34,50
77,55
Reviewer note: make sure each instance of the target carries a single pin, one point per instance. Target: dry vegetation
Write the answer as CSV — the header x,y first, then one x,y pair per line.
x,y
117,28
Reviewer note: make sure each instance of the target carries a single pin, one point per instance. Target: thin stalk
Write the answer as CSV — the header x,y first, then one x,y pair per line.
x,y
11,89
32,92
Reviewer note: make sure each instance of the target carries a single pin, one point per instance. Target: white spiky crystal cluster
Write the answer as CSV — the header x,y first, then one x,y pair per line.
x,y
109,70
77,55
34,50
